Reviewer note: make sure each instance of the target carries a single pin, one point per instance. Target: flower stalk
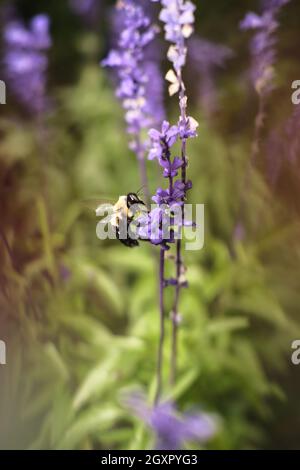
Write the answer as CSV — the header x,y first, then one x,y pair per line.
x,y
135,72
142,110
263,53
159,369
178,19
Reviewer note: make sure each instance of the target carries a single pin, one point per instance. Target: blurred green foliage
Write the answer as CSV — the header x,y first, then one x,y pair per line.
x,y
80,316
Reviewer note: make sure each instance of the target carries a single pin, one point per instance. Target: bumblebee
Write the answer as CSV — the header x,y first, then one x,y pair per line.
x,y
126,209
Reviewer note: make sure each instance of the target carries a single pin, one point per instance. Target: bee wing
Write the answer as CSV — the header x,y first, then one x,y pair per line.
x,y
94,204
104,208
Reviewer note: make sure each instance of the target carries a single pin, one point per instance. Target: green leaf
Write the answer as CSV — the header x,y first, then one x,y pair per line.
x,y
98,380
219,326
94,421
183,384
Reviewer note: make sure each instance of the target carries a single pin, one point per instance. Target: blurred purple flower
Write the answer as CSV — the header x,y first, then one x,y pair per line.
x,y
205,58
88,10
263,44
65,273
139,80
263,52
134,74
208,54
154,89
171,429
274,3
239,232
25,61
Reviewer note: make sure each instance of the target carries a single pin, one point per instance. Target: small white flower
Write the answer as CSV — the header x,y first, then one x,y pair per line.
x,y
193,123
172,78
187,31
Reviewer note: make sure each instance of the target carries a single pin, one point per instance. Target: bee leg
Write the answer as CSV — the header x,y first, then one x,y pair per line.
x,y
129,242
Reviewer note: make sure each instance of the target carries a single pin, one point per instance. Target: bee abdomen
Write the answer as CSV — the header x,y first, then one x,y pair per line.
x,y
129,242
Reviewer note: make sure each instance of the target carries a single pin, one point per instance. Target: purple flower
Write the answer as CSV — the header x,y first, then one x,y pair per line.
x,y
263,44
162,140
88,10
168,134
171,429
154,227
151,227
178,17
137,68
175,196
26,62
208,54
161,197
274,3
171,167
187,127
134,73
85,8
154,91
254,21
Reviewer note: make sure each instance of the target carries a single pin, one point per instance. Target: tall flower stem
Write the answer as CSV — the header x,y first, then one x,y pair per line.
x,y
179,266
179,260
175,316
263,53
178,18
159,368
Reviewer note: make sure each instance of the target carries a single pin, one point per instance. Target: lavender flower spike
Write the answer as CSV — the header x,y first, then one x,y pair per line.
x,y
263,44
134,76
25,61
178,18
263,53
87,9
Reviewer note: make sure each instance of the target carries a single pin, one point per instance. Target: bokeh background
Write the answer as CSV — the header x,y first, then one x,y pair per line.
x,y
79,315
